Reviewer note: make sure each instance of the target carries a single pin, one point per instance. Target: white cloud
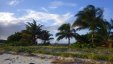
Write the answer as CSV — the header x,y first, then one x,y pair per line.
x,y
46,17
44,9
56,4
8,18
14,2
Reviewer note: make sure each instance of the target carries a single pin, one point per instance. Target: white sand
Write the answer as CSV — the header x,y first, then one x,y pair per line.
x,y
19,59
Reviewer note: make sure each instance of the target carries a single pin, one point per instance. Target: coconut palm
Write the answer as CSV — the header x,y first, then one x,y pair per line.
x,y
46,36
34,29
89,18
65,31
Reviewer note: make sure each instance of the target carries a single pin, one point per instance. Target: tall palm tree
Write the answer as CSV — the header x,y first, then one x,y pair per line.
x,y
65,31
35,30
89,18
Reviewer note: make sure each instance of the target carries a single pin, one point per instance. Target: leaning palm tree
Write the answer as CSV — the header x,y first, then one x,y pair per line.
x,y
34,30
89,18
65,31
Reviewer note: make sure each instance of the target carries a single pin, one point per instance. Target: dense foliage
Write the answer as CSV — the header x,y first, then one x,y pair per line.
x,y
28,36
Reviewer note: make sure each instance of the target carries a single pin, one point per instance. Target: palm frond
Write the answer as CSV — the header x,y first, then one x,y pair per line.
x,y
60,37
65,26
59,33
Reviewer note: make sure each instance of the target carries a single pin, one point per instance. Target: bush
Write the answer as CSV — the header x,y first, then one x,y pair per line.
x,y
80,45
18,43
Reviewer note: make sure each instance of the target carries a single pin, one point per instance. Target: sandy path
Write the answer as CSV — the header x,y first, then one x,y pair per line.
x,y
19,59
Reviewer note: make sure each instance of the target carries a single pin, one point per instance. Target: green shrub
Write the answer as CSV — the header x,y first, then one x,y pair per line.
x,y
80,45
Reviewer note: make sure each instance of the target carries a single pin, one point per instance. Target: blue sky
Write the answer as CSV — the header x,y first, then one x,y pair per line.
x,y
52,13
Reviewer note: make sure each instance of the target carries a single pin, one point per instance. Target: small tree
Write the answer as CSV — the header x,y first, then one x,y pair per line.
x,y
65,31
34,30
46,36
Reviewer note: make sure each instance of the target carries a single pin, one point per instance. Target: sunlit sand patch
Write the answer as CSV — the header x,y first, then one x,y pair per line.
x,y
19,59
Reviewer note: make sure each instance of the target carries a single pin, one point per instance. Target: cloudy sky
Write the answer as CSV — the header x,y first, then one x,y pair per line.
x,y
51,13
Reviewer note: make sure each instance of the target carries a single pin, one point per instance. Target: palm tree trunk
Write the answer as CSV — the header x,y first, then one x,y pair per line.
x,y
109,43
34,40
44,42
68,41
92,38
37,41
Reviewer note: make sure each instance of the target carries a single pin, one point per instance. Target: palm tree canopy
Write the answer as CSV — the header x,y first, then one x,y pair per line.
x,y
34,28
88,17
45,35
65,31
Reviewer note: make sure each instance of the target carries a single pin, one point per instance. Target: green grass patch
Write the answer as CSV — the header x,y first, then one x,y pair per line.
x,y
91,53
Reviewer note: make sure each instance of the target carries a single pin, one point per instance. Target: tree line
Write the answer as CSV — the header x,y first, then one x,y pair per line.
x,y
30,35
91,18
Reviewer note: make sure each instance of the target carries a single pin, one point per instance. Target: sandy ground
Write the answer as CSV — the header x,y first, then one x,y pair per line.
x,y
19,59
7,58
